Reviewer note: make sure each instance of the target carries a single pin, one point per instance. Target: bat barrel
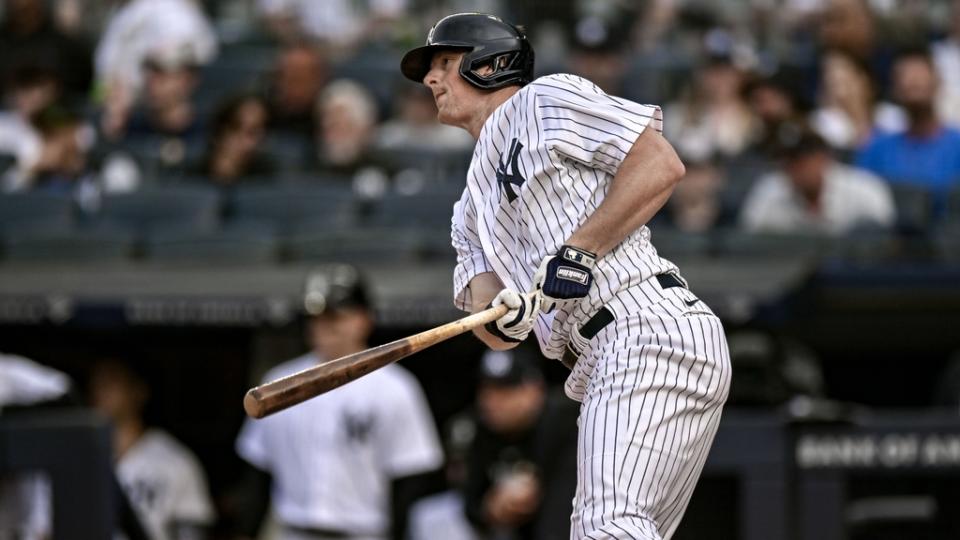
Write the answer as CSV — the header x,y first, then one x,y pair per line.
x,y
282,393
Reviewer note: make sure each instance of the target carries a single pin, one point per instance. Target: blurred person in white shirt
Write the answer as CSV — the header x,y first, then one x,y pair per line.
x,y
812,193
136,29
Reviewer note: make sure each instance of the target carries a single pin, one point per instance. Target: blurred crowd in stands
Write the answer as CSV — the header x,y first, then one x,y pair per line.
x,y
823,118
258,131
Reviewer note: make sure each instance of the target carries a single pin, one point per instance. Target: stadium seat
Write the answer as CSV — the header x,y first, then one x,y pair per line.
x,y
914,208
290,206
173,207
674,244
357,246
35,210
436,165
743,244
430,208
953,205
96,246
247,243
865,245
946,241
237,68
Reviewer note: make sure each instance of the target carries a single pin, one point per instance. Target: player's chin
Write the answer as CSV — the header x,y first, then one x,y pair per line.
x,y
444,116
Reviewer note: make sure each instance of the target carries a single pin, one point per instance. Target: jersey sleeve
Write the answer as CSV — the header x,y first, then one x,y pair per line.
x,y
581,122
470,258
408,442
251,445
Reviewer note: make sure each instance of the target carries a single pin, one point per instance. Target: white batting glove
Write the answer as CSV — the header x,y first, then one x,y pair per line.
x,y
516,325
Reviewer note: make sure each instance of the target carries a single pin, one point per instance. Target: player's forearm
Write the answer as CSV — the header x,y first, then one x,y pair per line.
x,y
643,184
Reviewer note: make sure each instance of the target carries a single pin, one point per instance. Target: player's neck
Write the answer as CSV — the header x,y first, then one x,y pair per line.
x,y
125,434
486,107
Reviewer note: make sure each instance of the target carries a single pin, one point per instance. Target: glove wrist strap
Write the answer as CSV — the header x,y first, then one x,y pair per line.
x,y
577,255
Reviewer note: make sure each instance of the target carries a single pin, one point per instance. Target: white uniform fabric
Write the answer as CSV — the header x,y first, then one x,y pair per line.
x,y
652,383
165,484
332,458
851,197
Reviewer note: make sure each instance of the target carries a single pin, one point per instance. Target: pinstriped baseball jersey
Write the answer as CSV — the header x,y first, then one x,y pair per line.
x,y
542,165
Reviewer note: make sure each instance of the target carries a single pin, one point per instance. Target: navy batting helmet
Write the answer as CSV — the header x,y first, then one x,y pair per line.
x,y
489,41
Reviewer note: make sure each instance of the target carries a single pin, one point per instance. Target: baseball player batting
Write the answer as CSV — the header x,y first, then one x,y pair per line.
x,y
552,225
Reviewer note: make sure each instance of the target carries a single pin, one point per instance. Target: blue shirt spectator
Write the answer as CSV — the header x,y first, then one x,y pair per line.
x,y
931,161
927,154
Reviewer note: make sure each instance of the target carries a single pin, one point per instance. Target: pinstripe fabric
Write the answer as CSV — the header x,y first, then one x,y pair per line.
x,y
573,137
652,383
650,412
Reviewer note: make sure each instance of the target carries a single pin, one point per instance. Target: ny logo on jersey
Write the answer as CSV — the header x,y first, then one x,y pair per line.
x,y
511,182
358,426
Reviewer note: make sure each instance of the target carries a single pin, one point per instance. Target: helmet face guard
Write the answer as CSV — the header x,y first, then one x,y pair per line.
x,y
487,40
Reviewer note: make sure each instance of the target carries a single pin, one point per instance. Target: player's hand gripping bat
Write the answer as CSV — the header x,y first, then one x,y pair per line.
x,y
277,395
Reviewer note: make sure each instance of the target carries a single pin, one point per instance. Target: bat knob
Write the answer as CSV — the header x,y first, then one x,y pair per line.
x,y
253,405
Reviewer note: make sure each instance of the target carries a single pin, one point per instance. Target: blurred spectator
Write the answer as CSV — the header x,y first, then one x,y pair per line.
x,y
946,56
696,205
298,77
167,123
138,29
416,124
235,149
355,475
927,154
848,26
712,118
342,24
522,473
347,115
599,56
773,99
162,478
30,90
62,165
849,111
29,39
813,193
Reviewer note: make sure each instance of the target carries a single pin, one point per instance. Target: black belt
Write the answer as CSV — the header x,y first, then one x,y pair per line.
x,y
603,317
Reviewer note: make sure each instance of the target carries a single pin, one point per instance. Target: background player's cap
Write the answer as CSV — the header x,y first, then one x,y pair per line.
x,y
487,39
509,368
334,286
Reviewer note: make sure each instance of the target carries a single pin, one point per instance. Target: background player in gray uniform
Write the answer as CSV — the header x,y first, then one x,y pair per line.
x,y
162,478
348,463
562,181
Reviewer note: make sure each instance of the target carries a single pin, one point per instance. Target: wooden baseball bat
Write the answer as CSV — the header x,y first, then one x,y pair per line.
x,y
285,392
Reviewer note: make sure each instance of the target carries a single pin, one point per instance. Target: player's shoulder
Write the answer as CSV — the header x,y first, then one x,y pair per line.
x,y
558,83
165,448
397,376
392,384
560,88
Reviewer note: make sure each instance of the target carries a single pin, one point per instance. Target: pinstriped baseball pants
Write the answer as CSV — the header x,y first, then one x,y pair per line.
x,y
649,413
